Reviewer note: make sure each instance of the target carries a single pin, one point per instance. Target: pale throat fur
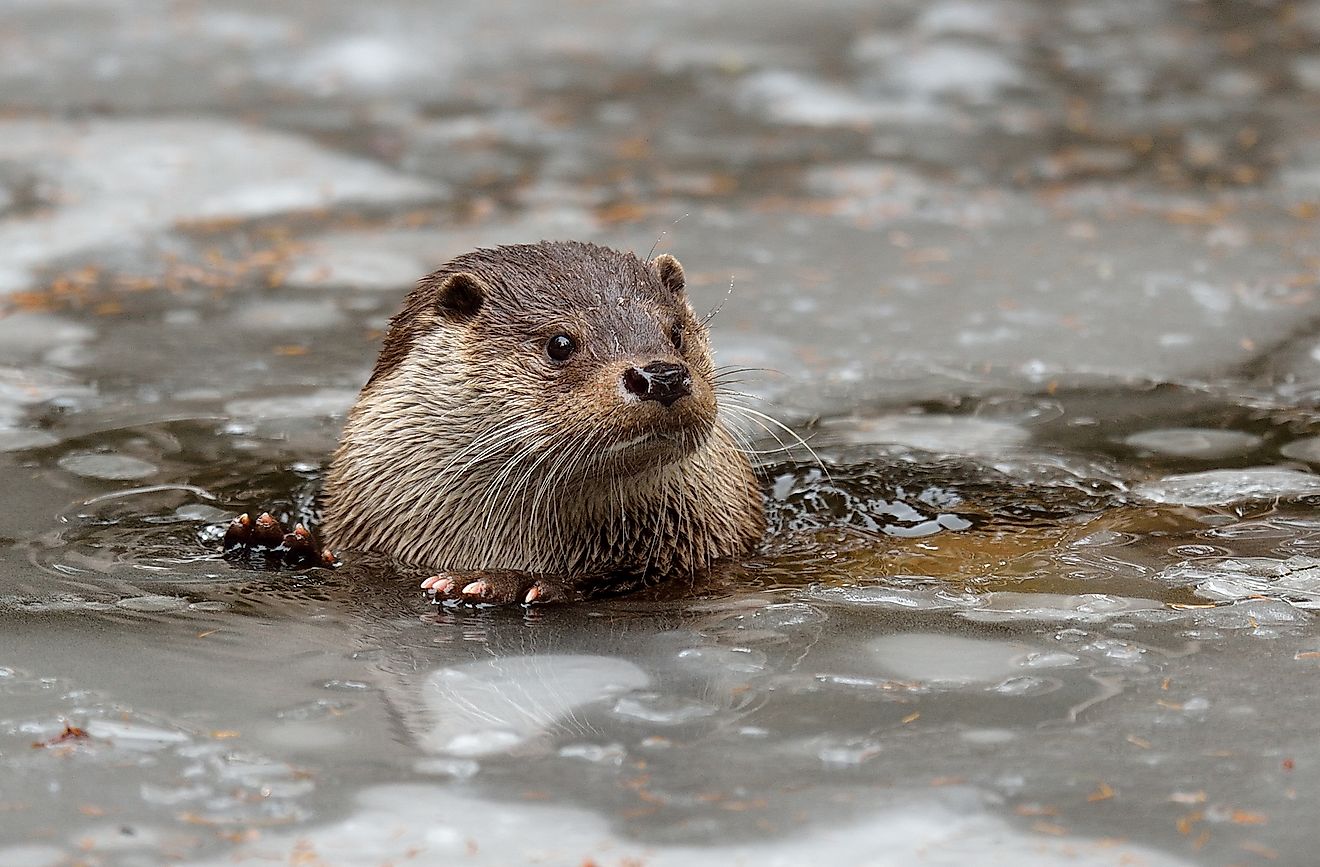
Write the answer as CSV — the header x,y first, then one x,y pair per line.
x,y
464,452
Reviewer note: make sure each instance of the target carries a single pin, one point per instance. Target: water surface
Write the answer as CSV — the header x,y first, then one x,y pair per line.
x,y
1035,280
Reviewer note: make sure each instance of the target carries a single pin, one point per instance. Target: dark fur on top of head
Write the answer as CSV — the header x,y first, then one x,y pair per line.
x,y
472,448
531,283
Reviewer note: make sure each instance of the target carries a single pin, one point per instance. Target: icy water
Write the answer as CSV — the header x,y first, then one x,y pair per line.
x,y
1037,280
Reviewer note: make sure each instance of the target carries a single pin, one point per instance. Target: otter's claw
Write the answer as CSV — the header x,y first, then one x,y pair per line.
x,y
438,584
264,540
499,588
239,534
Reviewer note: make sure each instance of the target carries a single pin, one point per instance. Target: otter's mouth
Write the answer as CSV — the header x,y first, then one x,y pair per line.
x,y
632,443
656,438
656,442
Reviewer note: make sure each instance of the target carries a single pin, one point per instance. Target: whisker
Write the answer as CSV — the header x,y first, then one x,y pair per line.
x,y
728,369
486,442
567,460
664,232
513,489
783,447
743,443
726,392
720,306
757,414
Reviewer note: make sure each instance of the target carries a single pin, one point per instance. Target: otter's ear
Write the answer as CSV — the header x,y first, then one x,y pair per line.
x,y
460,296
671,273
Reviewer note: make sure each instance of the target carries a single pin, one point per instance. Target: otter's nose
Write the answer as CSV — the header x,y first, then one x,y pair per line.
x,y
659,380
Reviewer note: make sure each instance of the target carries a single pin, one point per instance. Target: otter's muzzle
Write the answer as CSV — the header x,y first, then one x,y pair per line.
x,y
659,380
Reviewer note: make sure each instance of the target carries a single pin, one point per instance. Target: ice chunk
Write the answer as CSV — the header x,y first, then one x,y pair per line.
x,y
951,660
952,69
1306,70
942,434
1190,442
1296,579
847,752
723,660
894,597
432,824
33,855
1221,487
116,180
126,733
322,402
106,465
961,18
491,706
153,604
1306,449
17,440
988,607
33,385
788,97
1258,615
600,754
663,710
350,265
287,316
365,62
393,259
28,335
1086,607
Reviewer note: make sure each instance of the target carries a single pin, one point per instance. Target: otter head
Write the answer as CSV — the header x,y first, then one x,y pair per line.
x,y
547,408
579,357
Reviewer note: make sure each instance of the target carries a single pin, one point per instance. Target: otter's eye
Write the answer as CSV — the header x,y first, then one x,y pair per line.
x,y
676,336
560,347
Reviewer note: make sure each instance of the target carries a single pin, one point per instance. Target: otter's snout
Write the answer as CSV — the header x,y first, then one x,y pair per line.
x,y
659,380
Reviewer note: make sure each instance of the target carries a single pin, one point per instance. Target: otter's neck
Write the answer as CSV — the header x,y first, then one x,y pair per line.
x,y
395,492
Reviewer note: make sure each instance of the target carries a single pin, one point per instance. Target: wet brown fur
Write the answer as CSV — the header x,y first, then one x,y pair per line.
x,y
469,448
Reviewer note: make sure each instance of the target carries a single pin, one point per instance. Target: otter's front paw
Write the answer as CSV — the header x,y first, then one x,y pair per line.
x,y
491,587
266,541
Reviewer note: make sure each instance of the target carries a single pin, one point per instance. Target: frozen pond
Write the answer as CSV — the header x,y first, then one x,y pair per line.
x,y
1038,280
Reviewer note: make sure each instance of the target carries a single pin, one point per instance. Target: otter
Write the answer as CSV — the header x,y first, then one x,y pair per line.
x,y
541,425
